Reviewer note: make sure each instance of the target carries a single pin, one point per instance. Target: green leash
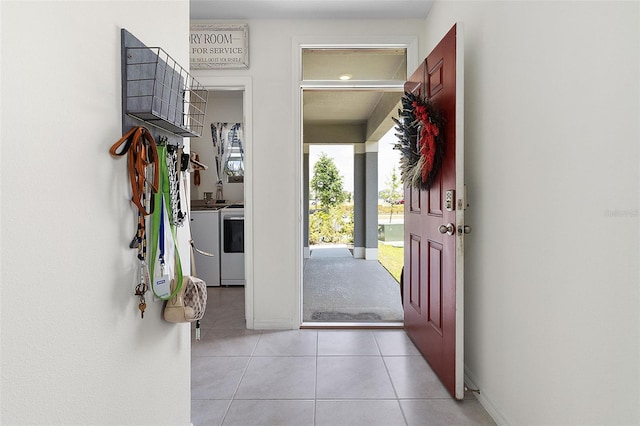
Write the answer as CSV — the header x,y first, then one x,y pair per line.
x,y
159,211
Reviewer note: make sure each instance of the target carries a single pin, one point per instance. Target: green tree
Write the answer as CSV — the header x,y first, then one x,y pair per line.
x,y
326,183
392,193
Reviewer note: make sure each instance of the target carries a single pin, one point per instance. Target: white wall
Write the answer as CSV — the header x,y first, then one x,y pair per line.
x,y
74,349
552,125
222,107
277,156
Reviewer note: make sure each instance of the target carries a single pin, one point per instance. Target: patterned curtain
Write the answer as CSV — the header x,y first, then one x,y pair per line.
x,y
228,149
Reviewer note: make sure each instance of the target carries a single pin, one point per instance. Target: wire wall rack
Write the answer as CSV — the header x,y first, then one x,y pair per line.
x,y
162,93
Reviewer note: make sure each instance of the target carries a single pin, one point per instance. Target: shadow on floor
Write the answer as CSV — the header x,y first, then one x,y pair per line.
x,y
339,288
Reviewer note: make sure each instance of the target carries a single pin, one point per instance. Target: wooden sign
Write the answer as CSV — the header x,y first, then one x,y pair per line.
x,y
219,46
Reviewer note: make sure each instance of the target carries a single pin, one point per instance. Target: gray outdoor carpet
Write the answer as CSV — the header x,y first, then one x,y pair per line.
x,y
339,288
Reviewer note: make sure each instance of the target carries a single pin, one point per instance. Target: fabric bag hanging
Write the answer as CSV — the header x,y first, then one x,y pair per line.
x,y
189,304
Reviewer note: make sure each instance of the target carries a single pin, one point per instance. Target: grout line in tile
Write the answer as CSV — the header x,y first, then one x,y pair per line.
x,y
433,398
226,411
315,386
350,356
233,397
393,386
273,399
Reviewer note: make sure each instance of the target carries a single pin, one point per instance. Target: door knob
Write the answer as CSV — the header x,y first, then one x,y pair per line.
x,y
448,229
464,229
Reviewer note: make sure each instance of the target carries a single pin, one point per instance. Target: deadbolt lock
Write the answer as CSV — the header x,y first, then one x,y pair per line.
x,y
466,229
449,196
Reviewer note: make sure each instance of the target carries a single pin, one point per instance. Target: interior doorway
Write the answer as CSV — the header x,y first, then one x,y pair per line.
x,y
348,97
236,93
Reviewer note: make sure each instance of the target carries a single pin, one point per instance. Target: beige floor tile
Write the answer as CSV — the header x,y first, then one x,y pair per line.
x,y
216,377
208,412
347,342
270,413
353,377
444,412
313,377
287,343
359,413
279,378
413,378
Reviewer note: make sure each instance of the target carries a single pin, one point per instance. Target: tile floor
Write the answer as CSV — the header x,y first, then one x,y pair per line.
x,y
313,377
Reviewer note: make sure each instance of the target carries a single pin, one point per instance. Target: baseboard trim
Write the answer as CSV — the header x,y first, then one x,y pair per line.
x,y
358,253
371,254
276,324
486,400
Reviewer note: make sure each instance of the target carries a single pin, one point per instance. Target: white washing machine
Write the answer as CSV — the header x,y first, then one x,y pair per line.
x,y
205,232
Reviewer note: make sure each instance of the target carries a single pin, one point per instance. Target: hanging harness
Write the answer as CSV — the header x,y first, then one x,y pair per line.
x,y
141,147
142,152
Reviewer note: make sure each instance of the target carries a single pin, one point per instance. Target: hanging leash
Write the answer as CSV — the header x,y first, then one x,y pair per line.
x,y
160,232
144,280
142,152
174,168
172,174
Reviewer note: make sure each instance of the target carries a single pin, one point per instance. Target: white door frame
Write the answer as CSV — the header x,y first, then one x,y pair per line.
x,y
462,205
211,82
329,42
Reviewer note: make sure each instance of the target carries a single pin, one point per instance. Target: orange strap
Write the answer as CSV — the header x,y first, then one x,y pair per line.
x,y
141,146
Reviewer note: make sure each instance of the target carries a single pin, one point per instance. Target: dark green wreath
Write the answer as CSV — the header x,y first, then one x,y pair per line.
x,y
420,141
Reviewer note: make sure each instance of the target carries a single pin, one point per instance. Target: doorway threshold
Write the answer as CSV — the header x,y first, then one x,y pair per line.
x,y
353,325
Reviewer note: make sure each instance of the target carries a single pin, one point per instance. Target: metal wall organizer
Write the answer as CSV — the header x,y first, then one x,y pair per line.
x,y
158,91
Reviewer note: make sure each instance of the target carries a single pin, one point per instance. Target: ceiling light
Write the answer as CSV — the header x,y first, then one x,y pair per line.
x,y
345,76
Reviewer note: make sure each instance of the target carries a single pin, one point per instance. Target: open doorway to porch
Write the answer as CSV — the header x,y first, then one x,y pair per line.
x,y
340,285
348,98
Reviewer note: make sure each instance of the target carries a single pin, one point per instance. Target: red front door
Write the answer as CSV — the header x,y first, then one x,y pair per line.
x,y
433,259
